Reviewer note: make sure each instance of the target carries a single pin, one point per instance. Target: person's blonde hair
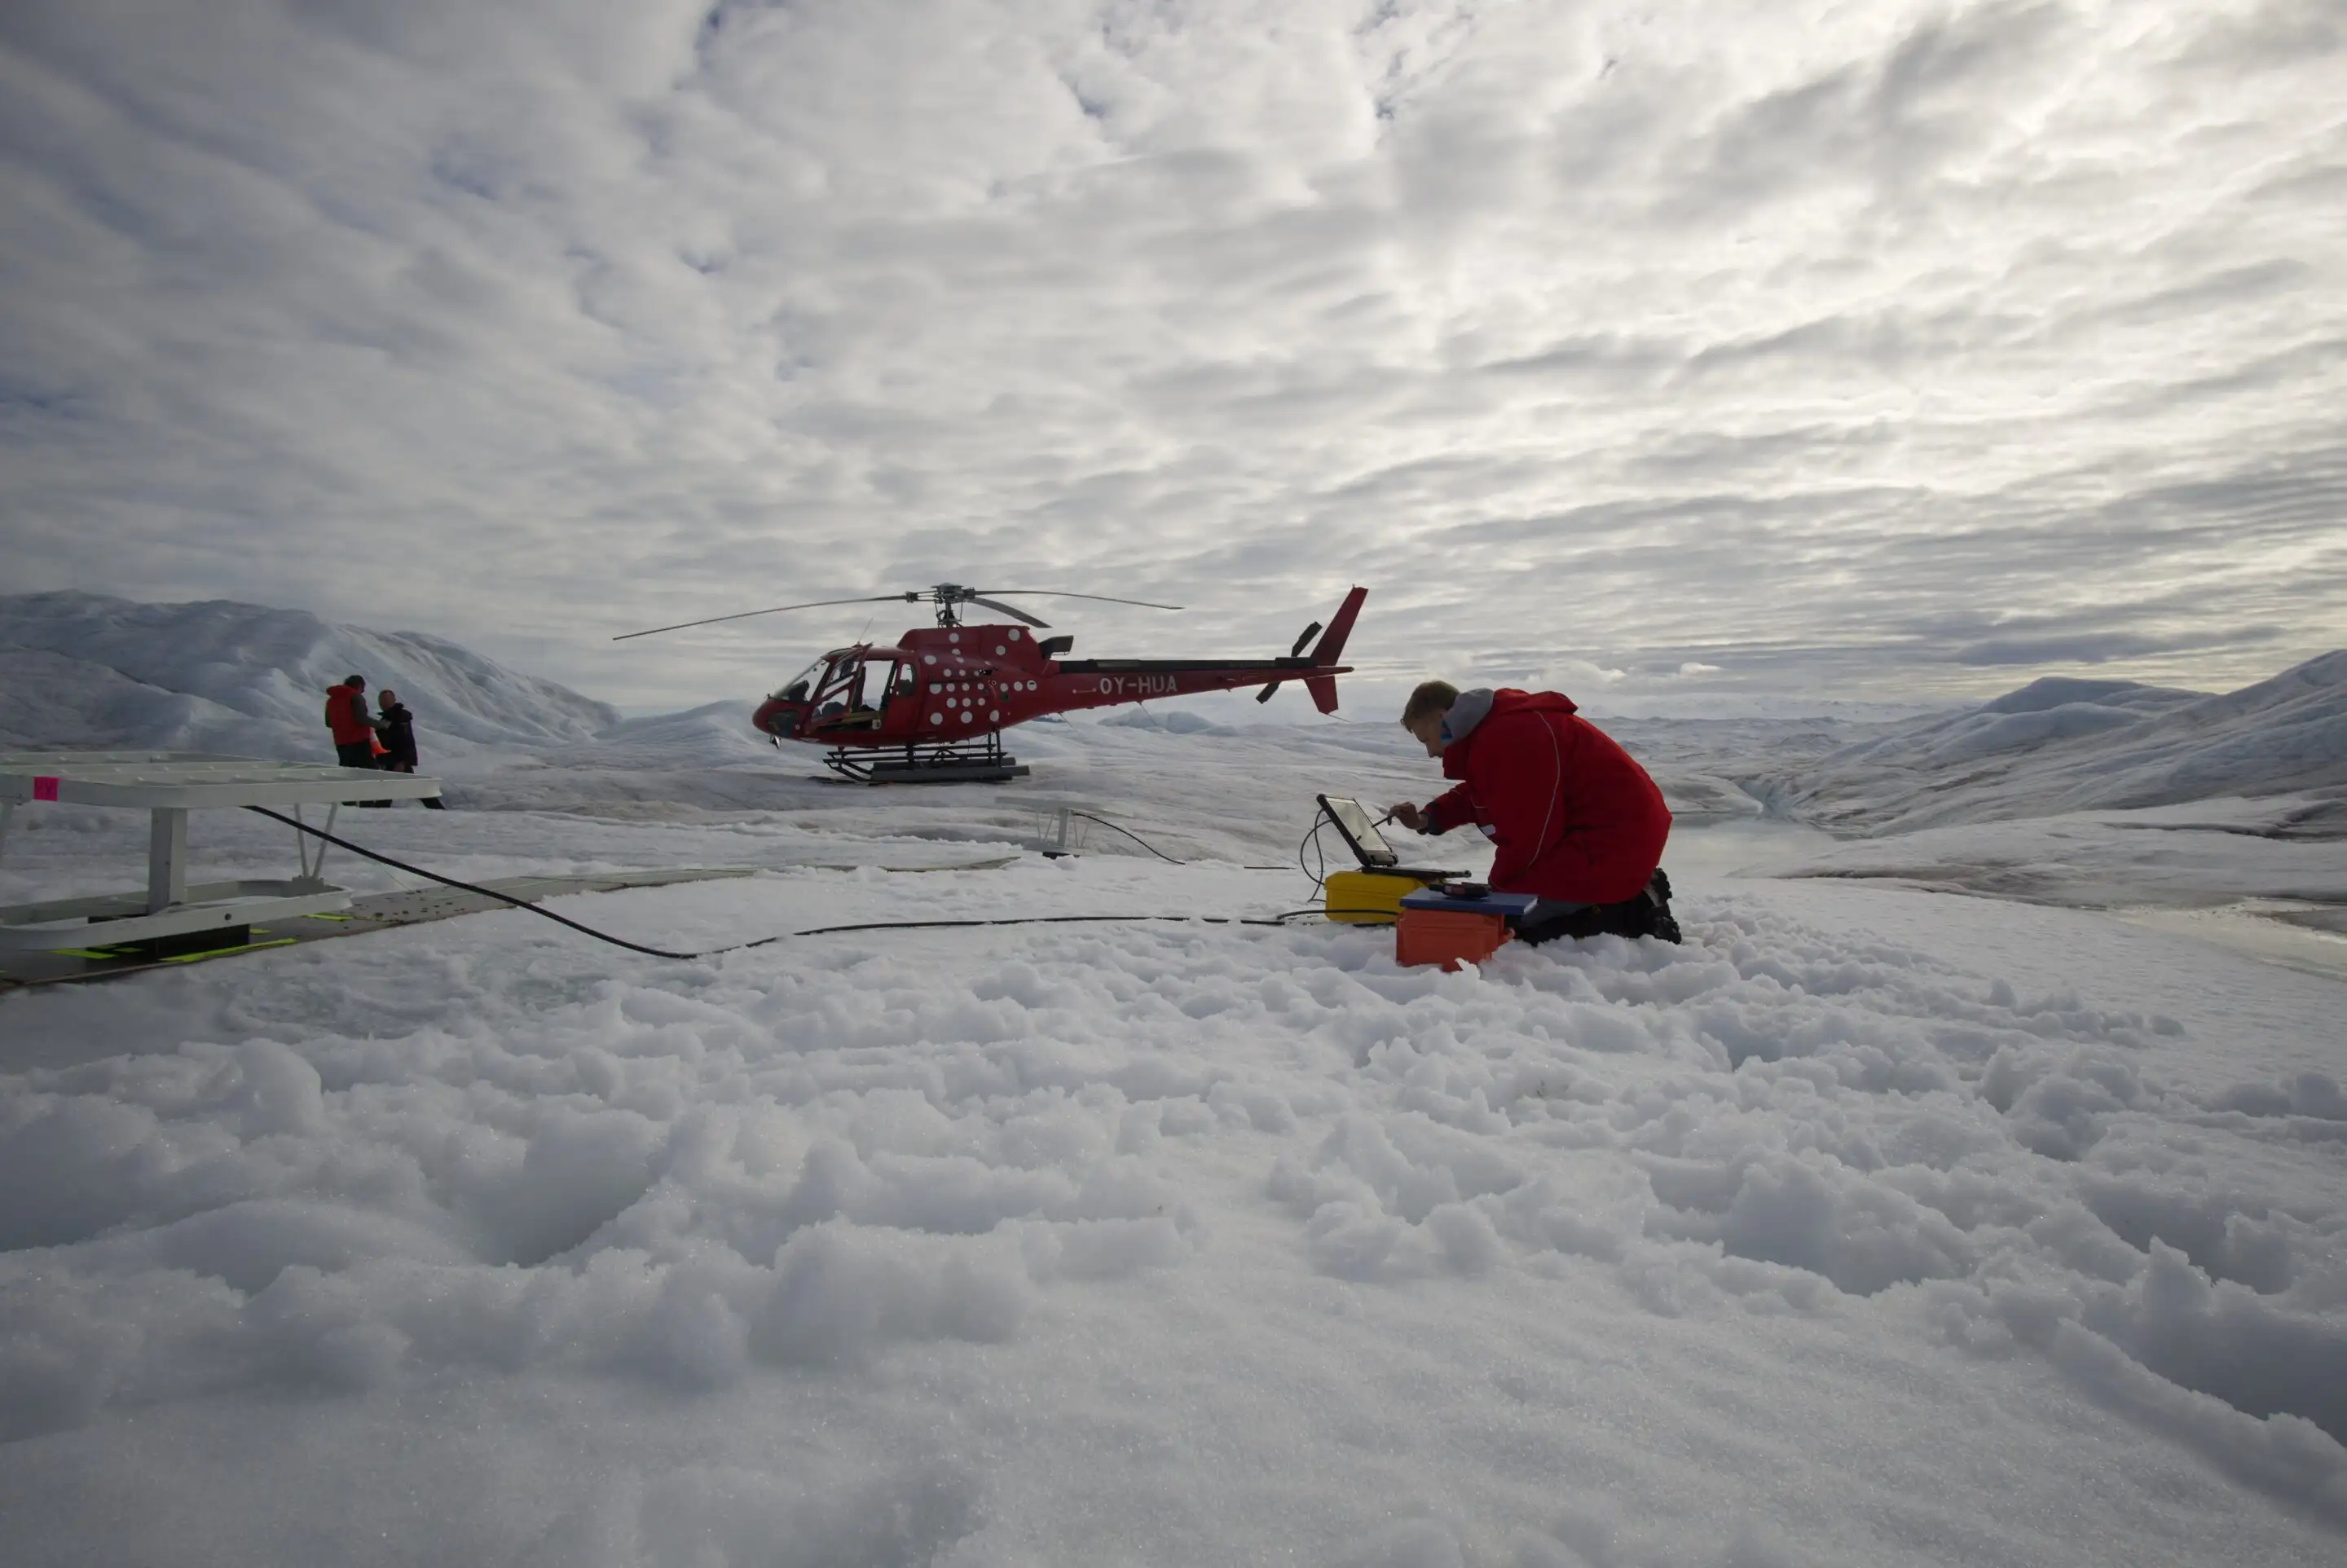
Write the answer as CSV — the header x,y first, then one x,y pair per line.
x,y
1431,697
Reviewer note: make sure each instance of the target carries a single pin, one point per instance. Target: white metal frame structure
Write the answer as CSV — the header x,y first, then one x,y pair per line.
x,y
170,784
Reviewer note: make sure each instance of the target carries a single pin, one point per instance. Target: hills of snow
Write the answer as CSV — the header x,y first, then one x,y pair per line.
x,y
85,670
2058,745
2061,745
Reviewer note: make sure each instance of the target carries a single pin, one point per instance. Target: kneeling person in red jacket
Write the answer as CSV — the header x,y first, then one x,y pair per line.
x,y
1576,820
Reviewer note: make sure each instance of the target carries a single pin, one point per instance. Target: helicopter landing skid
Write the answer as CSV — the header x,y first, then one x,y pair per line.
x,y
945,762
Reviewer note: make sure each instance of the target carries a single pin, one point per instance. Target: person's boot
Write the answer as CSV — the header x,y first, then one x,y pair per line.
x,y
1661,924
1648,915
1568,920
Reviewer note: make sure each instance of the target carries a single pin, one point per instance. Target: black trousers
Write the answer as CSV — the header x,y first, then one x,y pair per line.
x,y
406,765
359,754
1631,917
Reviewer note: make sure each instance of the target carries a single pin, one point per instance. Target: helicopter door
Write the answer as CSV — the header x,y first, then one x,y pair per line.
x,y
851,692
881,682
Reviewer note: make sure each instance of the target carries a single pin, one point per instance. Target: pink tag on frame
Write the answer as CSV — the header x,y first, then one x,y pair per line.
x,y
44,789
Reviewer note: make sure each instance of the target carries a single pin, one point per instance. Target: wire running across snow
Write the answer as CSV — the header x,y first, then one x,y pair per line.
x,y
1136,838
361,850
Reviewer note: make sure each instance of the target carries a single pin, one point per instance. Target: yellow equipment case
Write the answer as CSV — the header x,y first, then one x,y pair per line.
x,y
1366,898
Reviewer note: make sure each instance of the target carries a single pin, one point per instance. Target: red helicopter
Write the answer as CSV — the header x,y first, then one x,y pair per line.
x,y
933,708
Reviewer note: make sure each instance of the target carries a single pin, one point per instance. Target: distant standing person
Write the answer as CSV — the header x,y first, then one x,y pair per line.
x,y
398,727
348,721
353,727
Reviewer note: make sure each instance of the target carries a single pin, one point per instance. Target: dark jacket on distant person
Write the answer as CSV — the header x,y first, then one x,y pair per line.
x,y
398,727
1571,814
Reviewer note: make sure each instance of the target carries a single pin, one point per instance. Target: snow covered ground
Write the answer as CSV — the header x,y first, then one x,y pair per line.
x,y
1874,1225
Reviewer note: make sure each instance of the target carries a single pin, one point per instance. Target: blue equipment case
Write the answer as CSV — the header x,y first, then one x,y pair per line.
x,y
1510,906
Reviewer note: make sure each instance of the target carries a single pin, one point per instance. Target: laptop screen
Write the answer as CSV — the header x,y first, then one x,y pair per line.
x,y
1352,821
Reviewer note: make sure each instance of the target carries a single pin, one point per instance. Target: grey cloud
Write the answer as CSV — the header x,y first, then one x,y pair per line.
x,y
2265,279
1829,351
2297,366
2276,35
1714,455
1609,358
2299,182
1889,124
2094,648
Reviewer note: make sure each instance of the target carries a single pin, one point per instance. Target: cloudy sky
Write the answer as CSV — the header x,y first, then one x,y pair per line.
x,y
1876,347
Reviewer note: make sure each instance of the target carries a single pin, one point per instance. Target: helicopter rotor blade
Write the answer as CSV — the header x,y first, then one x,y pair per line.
x,y
772,610
1063,593
1009,609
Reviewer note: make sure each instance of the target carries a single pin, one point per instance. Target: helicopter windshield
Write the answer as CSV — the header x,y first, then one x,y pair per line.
x,y
795,689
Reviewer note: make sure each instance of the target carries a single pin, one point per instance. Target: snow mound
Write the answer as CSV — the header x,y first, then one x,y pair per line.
x,y
714,734
88,670
2066,691
52,698
1174,721
2061,745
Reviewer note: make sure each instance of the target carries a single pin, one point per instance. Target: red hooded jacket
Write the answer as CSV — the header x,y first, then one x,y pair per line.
x,y
346,714
1575,816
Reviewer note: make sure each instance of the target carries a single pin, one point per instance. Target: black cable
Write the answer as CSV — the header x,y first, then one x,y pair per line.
x,y
1322,819
1312,839
1320,822
1280,919
300,826
1160,854
361,850
1136,838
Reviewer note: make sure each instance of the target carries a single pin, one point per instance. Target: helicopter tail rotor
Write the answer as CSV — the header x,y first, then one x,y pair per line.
x,y
1295,653
1326,652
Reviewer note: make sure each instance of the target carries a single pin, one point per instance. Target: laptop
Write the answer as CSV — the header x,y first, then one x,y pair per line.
x,y
1359,832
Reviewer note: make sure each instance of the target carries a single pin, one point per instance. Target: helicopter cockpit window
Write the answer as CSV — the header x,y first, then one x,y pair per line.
x,y
799,685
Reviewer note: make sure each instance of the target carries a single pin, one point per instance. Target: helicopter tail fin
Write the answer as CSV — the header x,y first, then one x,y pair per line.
x,y
1324,653
1331,645
1330,648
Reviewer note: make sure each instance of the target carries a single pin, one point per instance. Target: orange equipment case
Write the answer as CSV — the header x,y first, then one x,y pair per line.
x,y
1448,937
1452,929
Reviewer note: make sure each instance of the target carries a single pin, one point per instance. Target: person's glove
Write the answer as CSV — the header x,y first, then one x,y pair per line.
x,y
1410,817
